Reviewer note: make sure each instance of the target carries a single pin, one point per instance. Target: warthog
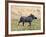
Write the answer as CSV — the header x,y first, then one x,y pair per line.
x,y
28,19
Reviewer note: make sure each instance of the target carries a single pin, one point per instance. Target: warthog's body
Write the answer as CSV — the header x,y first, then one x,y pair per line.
x,y
27,19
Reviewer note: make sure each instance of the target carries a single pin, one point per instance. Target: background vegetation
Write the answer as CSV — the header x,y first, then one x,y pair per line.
x,y
17,12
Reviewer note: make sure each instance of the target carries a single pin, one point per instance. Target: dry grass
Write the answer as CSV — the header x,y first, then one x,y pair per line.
x,y
34,26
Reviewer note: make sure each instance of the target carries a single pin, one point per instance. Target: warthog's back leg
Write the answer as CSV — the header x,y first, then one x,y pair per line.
x,y
19,22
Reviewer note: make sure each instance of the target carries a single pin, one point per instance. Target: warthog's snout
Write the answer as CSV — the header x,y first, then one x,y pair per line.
x,y
35,17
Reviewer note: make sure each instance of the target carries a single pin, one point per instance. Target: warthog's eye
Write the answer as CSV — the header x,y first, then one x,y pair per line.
x,y
35,17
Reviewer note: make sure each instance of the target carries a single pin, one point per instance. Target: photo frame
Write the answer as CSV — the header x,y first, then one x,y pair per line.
x,y
19,11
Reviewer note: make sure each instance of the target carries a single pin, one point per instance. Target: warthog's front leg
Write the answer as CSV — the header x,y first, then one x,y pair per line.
x,y
29,23
23,23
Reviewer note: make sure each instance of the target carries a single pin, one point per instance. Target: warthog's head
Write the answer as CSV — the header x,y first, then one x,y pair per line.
x,y
34,17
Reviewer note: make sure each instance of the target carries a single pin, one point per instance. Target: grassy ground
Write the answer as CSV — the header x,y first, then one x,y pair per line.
x,y
34,26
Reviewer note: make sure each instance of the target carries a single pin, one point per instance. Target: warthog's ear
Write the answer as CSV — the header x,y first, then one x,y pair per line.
x,y
30,14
